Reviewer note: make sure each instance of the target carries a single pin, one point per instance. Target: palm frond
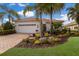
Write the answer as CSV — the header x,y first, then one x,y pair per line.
x,y
14,13
2,14
5,8
28,8
10,11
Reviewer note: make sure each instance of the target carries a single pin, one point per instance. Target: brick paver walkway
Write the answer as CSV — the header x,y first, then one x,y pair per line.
x,y
9,41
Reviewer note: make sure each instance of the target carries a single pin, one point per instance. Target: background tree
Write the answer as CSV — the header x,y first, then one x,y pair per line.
x,y
73,14
1,17
8,26
51,9
38,13
44,8
9,12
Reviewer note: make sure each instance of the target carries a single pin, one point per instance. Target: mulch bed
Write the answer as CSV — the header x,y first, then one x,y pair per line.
x,y
25,45
64,39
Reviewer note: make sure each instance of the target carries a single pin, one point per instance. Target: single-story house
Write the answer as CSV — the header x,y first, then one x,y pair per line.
x,y
32,25
72,26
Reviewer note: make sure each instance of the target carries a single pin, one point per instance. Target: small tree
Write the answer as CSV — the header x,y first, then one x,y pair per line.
x,y
57,25
8,26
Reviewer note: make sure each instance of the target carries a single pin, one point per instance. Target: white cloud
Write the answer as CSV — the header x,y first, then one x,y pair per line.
x,y
20,12
6,19
28,13
12,4
65,18
20,4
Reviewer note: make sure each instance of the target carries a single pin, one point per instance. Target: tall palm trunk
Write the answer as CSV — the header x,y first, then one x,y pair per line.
x,y
51,23
9,17
41,25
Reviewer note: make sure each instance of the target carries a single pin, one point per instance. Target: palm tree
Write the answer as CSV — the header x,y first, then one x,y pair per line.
x,y
44,8
73,13
1,17
39,11
52,8
9,12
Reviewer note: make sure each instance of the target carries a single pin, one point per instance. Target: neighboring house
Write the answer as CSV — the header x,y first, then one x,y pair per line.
x,y
32,25
72,26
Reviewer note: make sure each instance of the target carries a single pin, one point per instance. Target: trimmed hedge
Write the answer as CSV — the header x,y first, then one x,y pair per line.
x,y
5,32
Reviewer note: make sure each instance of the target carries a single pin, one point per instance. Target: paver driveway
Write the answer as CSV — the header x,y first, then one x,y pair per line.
x,y
9,41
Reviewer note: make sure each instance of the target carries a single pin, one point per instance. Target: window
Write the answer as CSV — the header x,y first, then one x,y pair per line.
x,y
27,25
75,27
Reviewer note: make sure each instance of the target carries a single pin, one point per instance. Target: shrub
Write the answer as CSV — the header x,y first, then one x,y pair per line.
x,y
44,40
5,32
37,35
37,42
63,35
52,31
46,34
64,31
57,25
75,34
57,39
8,26
51,40
57,32
31,41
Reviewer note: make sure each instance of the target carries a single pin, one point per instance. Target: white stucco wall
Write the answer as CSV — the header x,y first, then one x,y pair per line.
x,y
47,26
27,29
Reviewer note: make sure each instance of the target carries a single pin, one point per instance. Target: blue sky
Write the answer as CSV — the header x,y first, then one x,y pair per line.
x,y
19,8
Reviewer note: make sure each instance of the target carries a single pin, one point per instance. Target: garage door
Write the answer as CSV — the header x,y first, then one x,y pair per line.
x,y
26,28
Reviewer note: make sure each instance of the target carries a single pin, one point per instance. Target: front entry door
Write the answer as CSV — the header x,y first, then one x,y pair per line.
x,y
44,27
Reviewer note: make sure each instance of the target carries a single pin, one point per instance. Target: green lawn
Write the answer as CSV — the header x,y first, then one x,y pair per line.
x,y
67,49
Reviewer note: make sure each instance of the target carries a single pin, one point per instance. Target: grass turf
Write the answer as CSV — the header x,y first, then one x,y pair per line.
x,y
70,48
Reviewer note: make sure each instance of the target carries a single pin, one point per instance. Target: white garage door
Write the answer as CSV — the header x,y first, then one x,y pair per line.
x,y
26,28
